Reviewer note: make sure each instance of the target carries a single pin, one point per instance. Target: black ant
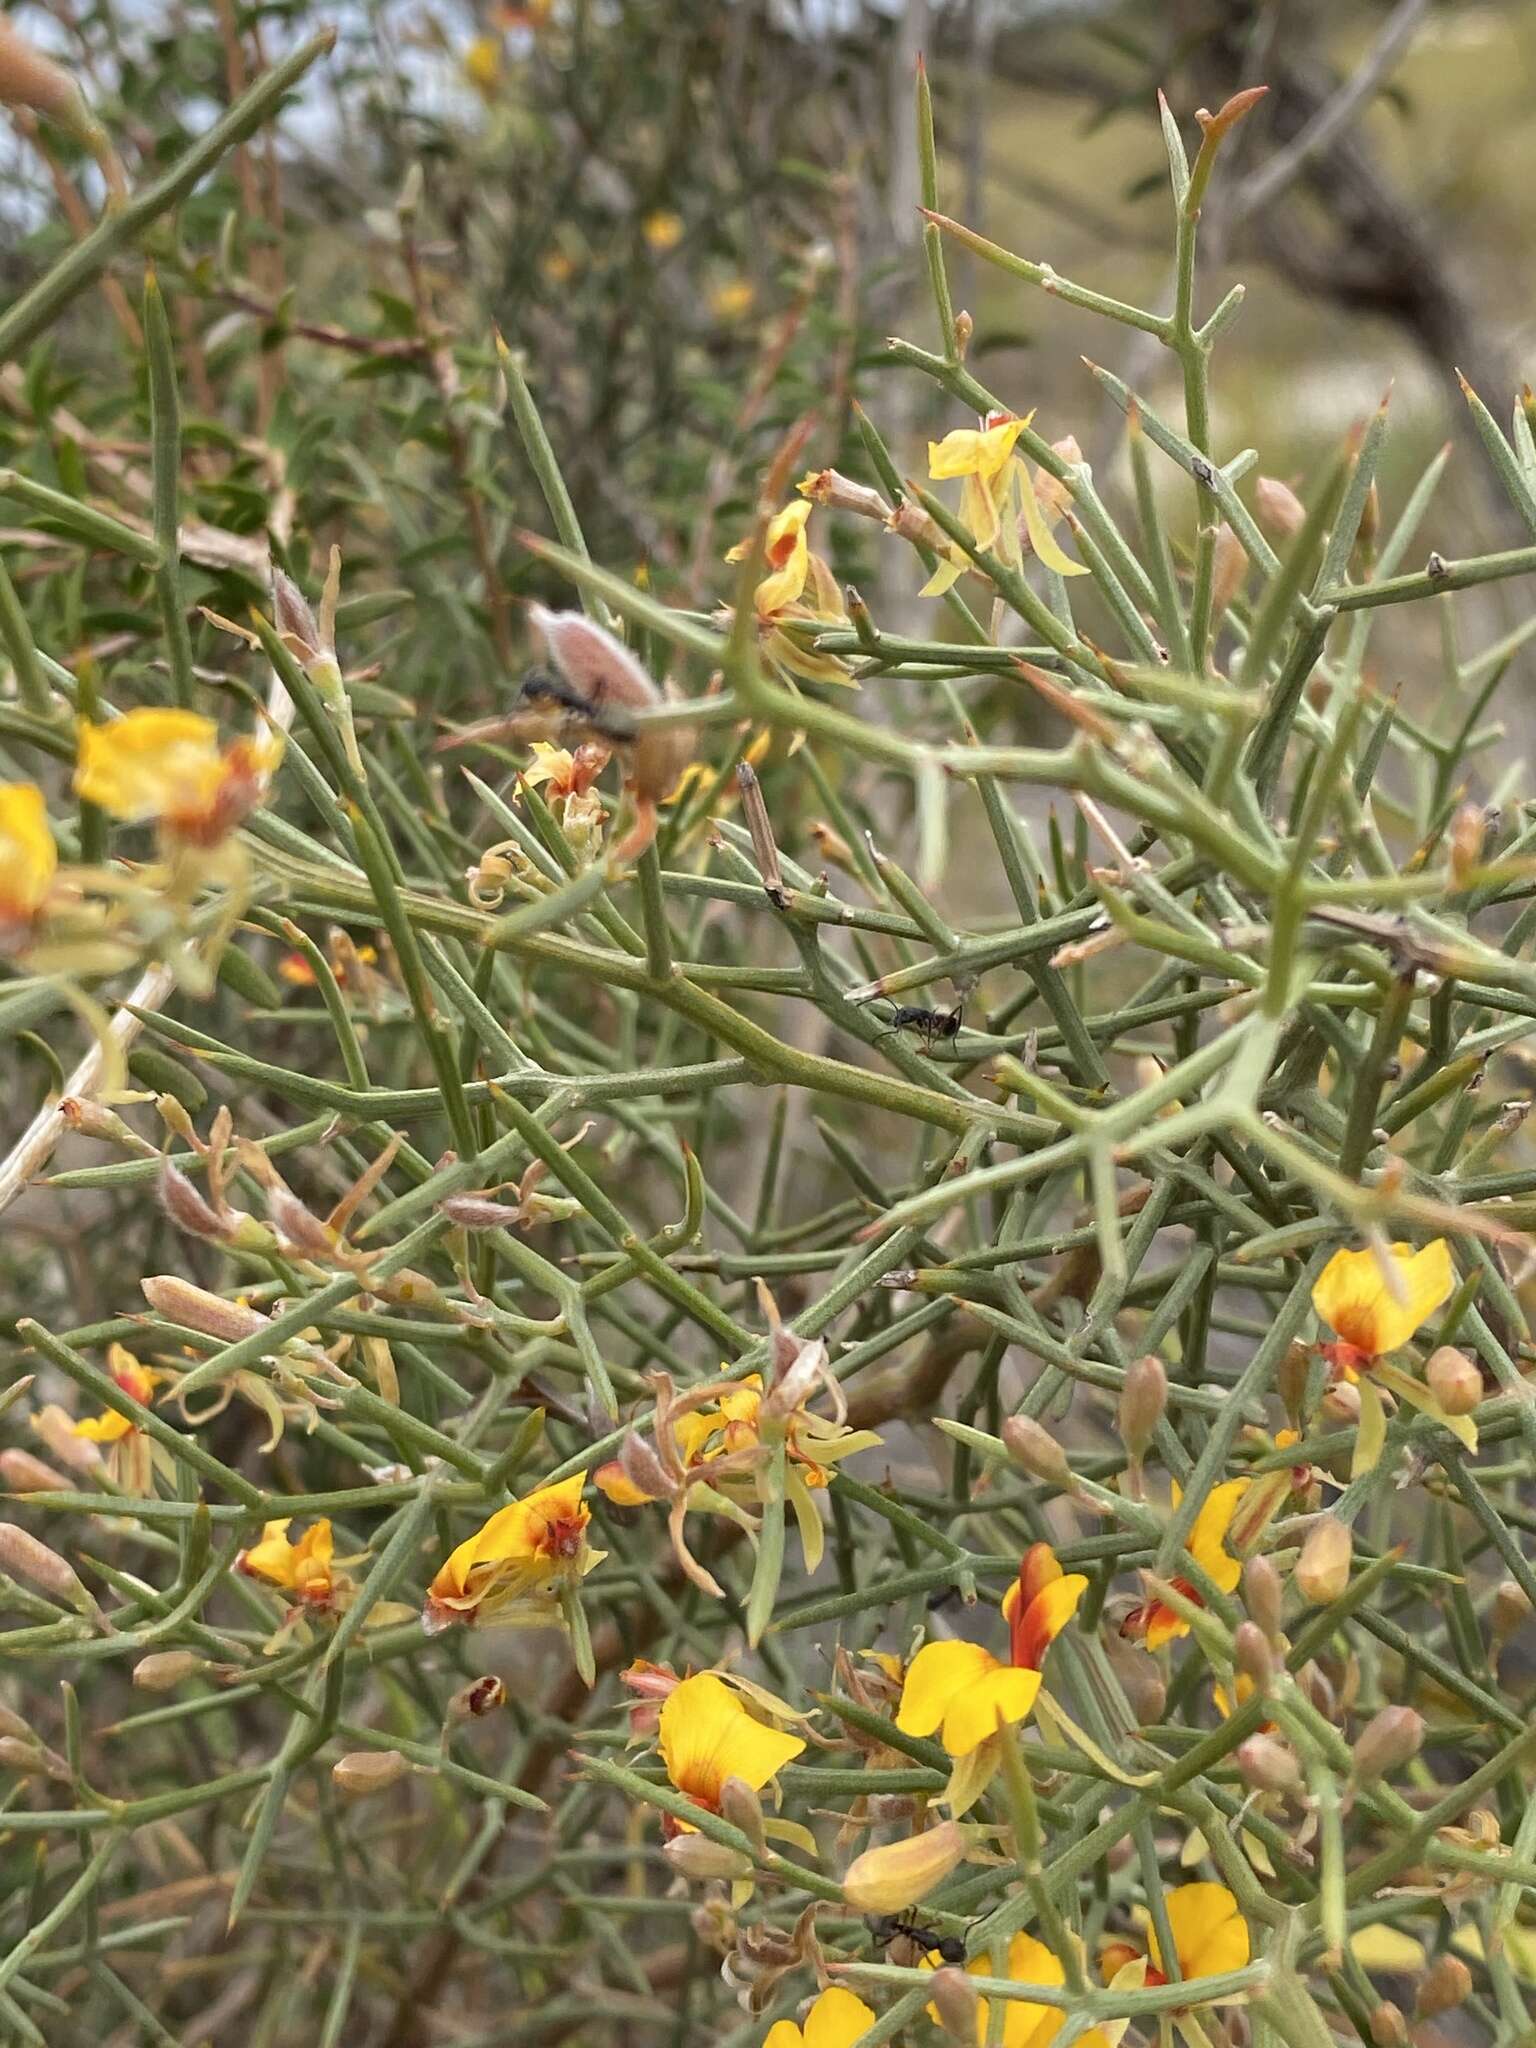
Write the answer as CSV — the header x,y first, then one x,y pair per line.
x,y
884,1928
930,1025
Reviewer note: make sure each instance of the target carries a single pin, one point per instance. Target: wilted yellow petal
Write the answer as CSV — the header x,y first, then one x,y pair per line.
x,y
896,1875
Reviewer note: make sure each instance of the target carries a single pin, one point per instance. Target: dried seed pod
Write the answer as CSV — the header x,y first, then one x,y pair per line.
x,y
185,1207
194,1308
1322,1570
480,1697
363,1772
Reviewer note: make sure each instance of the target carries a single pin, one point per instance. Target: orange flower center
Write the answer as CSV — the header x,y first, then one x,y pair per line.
x,y
561,1535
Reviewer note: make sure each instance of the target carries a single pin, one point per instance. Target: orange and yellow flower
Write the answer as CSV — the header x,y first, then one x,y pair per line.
x,y
706,1735
517,1564
799,587
29,859
835,2020
1210,1936
963,1691
168,767
1374,1303
138,1380
304,1569
1156,1622
1025,2025
997,496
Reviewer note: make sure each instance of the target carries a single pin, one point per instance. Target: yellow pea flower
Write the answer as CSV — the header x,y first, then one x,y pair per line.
x,y
516,1565
663,230
836,2020
733,299
1025,2025
1159,1624
706,1735
1356,1297
788,555
1210,1936
962,1690
303,1568
483,64
139,1380
168,766
28,857
997,495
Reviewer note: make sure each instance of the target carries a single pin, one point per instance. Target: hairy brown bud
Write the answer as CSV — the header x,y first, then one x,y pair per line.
x,y
1033,1447
965,327
643,1468
698,1859
1269,1765
740,1805
22,1556
956,2002
1444,1984
1388,1740
163,1670
1280,510
1388,2027
185,1206
1454,1380
362,1772
20,1472
1322,1570
194,1308
1292,1377
1253,1656
1230,566
1143,1399
1264,1596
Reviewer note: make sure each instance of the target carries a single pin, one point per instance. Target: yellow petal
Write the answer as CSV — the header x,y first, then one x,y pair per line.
x,y
896,1875
706,1736
1354,1298
1207,1540
1041,539
148,763
783,2034
1371,1435
837,2019
1005,1694
28,856
936,1676
1387,1948
1209,1934
106,1428
969,451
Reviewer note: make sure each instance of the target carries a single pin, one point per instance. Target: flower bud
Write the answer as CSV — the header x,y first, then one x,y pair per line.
x,y
20,1472
1269,1765
1469,829
954,1999
31,1759
477,1212
162,1670
1388,1740
1292,1378
1041,1456
480,1697
91,1120
1317,1687
194,1308
1230,566
1454,1380
1511,1609
965,327
1322,1570
643,1468
1263,1596
1341,1404
1388,2027
740,1805
699,1859
1143,1398
1252,1655
24,1557
185,1206
1281,512
301,1231
891,1878
362,1772
1444,1984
